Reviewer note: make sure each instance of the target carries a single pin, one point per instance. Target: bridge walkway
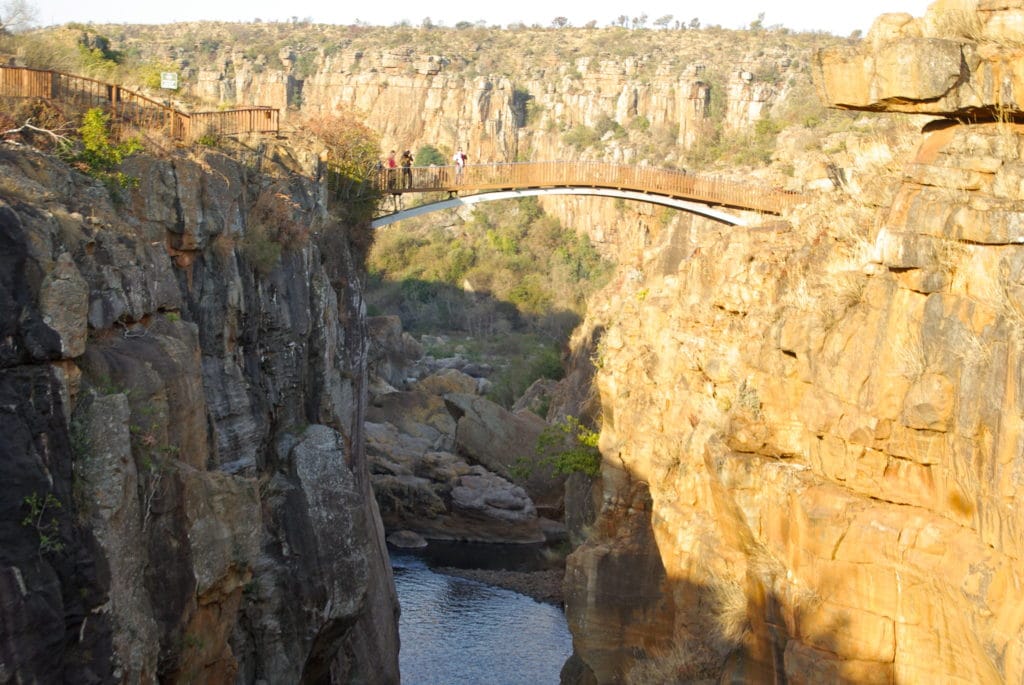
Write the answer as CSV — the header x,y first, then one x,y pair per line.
x,y
670,183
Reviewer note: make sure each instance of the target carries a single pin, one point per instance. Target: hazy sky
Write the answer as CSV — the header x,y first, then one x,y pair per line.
x,y
827,15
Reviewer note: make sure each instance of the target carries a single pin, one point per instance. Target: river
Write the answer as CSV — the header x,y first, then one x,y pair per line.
x,y
460,632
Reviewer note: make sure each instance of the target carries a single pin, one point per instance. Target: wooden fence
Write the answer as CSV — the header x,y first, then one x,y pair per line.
x,y
134,108
519,175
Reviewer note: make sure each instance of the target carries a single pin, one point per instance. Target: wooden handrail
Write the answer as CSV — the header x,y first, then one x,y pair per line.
x,y
135,108
645,179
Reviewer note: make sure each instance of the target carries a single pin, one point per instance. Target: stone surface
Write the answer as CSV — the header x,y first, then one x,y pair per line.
x,y
447,381
831,445
958,60
436,493
506,443
182,522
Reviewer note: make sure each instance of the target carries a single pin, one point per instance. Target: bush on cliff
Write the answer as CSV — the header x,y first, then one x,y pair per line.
x,y
98,156
571,447
353,150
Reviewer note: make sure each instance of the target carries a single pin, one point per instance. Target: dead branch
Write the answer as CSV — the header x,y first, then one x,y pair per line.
x,y
27,126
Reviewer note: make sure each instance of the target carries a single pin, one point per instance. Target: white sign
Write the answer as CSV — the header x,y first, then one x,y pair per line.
x,y
169,79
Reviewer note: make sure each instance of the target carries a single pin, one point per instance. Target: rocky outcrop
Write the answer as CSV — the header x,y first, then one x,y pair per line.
x,y
957,60
423,486
187,497
822,425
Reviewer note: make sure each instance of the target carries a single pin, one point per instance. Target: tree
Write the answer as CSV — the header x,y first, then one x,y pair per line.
x,y
663,21
623,20
16,15
353,148
757,24
560,22
428,155
695,23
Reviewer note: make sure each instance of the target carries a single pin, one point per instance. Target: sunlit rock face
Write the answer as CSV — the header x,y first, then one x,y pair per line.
x,y
812,436
186,491
960,59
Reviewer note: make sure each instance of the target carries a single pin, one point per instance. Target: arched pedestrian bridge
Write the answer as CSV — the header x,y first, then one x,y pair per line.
x,y
712,197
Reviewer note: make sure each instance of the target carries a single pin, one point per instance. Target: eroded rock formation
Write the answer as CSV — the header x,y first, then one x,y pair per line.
x,y
960,59
812,440
186,496
448,463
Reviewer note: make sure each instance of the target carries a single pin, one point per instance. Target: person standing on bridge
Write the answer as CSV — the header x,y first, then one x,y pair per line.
x,y
460,162
391,165
407,169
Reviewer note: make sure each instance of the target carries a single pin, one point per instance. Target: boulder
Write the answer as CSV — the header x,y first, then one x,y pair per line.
x,y
447,381
407,539
392,350
506,443
418,414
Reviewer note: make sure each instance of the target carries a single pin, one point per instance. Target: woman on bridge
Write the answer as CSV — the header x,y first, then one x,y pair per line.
x,y
391,165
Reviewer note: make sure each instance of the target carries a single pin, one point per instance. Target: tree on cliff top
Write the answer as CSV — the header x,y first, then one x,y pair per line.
x,y
353,148
353,152
16,15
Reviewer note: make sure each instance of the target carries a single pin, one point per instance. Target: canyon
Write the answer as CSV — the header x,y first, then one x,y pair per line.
x,y
810,428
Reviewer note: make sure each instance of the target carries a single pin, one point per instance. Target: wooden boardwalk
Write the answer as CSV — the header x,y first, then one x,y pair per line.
x,y
649,180
134,108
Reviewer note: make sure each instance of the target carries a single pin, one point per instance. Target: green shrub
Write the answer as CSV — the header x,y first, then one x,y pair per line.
x,y
99,157
571,447
427,155
640,123
41,519
525,364
581,137
260,249
606,124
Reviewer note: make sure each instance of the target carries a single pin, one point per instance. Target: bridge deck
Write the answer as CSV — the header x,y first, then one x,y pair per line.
x,y
652,180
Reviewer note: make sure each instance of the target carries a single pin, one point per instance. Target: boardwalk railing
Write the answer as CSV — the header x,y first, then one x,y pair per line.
x,y
134,108
651,180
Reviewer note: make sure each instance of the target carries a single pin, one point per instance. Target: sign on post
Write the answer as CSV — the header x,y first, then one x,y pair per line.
x,y
169,80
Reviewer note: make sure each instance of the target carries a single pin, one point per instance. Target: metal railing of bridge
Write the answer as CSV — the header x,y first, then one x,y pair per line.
x,y
134,108
519,175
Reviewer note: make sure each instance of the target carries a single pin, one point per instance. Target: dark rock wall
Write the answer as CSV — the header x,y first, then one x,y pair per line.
x,y
185,492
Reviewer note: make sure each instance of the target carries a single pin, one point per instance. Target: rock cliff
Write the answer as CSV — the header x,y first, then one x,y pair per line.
x,y
503,95
811,430
186,498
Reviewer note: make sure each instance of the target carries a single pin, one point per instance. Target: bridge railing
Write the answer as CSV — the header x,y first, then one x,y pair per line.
x,y
668,182
134,108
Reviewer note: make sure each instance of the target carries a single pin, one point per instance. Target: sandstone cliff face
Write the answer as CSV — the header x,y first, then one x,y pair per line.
x,y
812,439
187,497
502,95
962,58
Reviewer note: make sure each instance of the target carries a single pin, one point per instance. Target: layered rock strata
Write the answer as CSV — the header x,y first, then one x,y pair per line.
x,y
811,432
186,493
961,59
